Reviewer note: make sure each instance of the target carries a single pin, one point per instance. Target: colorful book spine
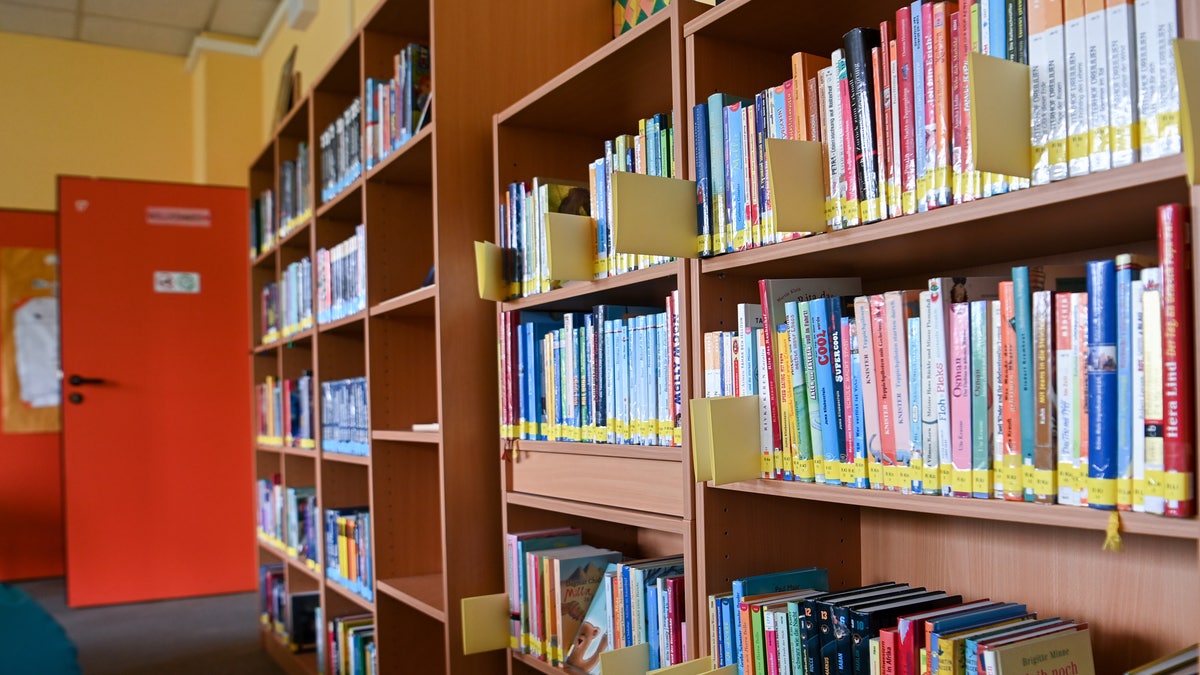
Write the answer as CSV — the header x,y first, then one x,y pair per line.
x,y
1178,433
1022,304
1078,114
1122,80
1102,385
933,389
870,400
1045,484
1009,484
1139,397
1099,116
981,400
700,141
1153,410
905,102
1065,374
915,391
1127,270
960,400
1082,425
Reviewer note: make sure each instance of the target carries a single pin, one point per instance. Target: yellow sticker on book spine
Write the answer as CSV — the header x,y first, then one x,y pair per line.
x,y
1028,479
962,481
1102,491
1044,483
803,468
1178,486
1155,481
875,474
1139,493
1125,491
891,476
945,475
981,481
819,467
766,464
860,470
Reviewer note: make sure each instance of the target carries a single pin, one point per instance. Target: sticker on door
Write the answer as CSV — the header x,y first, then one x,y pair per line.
x,y
176,282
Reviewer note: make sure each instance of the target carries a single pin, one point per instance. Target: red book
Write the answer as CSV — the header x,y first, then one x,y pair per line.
x,y
889,639
910,635
904,99
878,67
883,383
1177,360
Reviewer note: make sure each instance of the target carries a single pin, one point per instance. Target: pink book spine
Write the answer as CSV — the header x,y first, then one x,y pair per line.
x,y
883,383
960,398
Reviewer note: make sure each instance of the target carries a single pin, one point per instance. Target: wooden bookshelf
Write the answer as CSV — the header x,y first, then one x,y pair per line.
x,y
427,351
1140,603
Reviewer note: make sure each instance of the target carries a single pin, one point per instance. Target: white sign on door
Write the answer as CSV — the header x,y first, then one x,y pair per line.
x,y
176,282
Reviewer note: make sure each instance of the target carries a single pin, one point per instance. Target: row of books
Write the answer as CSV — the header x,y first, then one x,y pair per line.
x,y
348,647
611,375
974,360
285,412
349,560
341,151
789,623
570,601
263,230
291,616
398,107
523,213
1182,662
345,427
295,201
892,108
287,518
287,306
342,278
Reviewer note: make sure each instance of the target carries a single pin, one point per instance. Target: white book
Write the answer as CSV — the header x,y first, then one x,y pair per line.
x,y
931,436
938,405
1152,405
1099,115
1166,23
1039,92
866,375
1122,81
1056,90
749,317
1078,117
897,336
1138,400
1146,62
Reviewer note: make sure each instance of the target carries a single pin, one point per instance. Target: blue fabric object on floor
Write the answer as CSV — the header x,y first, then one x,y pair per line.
x,y
31,641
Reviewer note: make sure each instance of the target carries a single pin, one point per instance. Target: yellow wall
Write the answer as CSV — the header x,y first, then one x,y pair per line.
x,y
74,108
80,109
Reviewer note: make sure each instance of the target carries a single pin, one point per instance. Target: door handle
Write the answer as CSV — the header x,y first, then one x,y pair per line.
x,y
79,380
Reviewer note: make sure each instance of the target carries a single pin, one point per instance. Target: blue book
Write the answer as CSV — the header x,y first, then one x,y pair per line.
x,y
804,446
1102,384
856,398
729,642
793,580
808,356
717,169
704,223
652,621
914,400
918,58
823,359
965,621
1128,270
1023,302
838,367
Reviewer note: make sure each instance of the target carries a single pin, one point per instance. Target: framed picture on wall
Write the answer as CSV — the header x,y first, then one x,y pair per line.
x,y
287,86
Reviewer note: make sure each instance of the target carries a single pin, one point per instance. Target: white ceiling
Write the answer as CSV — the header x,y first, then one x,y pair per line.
x,y
163,26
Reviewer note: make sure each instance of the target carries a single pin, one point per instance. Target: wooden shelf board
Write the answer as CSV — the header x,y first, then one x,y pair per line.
x,y
536,663
1105,209
1052,515
411,163
346,459
272,549
643,519
424,592
356,318
263,349
432,437
637,287
303,569
585,89
299,452
667,454
786,26
304,663
300,336
343,205
414,303
261,447
295,122
290,239
265,257
350,595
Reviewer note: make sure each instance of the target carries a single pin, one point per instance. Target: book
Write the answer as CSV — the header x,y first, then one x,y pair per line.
x,y
1178,431
593,636
1102,385
573,582
858,43
792,580
1066,651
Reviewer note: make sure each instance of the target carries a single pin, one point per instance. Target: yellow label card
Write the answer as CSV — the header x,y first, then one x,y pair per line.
x,y
1102,491
1178,486
1044,482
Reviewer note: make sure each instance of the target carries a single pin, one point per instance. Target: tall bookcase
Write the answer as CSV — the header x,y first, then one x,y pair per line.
x,y
1141,603
426,351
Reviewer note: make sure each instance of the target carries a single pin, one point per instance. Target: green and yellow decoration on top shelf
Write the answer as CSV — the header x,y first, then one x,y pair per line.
x,y
629,13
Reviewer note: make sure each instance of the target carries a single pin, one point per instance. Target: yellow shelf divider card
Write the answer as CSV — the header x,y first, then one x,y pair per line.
x,y
1187,67
701,416
700,666
571,243
489,271
725,439
486,623
797,185
654,215
1000,116
633,660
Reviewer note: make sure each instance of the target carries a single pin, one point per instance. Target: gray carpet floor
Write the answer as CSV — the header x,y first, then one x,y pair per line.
x,y
212,634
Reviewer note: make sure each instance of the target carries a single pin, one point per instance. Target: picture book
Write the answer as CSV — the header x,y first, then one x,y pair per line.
x,y
573,583
592,638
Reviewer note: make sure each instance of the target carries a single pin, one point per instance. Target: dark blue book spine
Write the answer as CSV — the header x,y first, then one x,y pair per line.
x,y
1022,299
704,243
1102,384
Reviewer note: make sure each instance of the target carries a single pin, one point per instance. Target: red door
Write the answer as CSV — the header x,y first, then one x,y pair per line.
x,y
156,407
